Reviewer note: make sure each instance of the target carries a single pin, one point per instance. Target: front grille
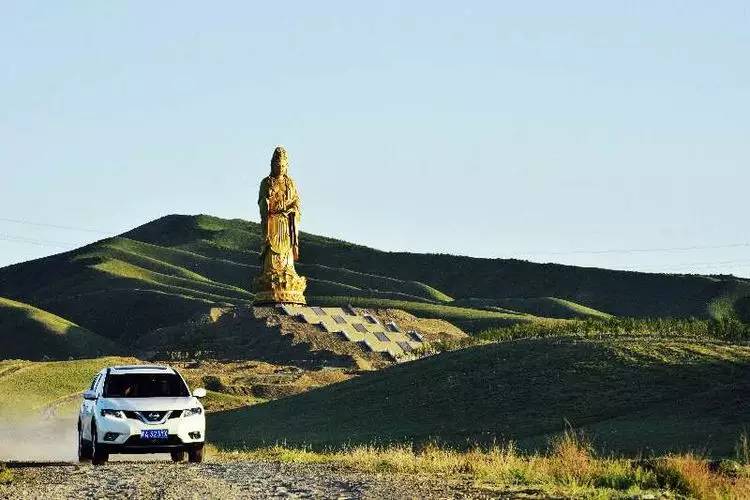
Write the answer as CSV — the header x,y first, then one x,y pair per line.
x,y
139,441
146,416
153,416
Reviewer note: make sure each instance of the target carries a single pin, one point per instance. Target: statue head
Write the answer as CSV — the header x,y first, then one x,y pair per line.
x,y
279,162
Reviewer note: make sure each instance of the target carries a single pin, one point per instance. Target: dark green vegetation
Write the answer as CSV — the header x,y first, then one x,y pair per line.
x,y
169,270
725,328
630,394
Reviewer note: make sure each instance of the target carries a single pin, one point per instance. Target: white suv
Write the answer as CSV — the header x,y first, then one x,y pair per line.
x,y
140,409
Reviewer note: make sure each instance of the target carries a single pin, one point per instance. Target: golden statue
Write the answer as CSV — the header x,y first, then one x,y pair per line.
x,y
279,219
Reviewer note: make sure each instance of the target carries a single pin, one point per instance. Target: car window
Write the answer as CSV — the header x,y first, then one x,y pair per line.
x,y
93,382
145,385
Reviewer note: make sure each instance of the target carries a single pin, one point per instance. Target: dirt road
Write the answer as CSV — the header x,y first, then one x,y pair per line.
x,y
164,480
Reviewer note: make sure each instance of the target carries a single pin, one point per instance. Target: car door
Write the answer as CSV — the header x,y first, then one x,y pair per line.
x,y
88,407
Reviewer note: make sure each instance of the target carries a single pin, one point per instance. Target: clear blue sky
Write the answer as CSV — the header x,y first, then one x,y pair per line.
x,y
550,131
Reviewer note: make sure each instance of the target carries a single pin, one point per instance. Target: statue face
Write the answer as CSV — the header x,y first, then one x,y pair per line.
x,y
279,162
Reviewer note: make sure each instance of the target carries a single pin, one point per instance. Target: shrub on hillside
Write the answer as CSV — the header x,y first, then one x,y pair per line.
x,y
723,329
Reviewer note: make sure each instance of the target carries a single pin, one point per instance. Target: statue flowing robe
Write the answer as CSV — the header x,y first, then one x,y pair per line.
x,y
280,213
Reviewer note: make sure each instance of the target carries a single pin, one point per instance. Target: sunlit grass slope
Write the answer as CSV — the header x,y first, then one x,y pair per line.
x,y
470,319
27,386
30,333
540,306
631,394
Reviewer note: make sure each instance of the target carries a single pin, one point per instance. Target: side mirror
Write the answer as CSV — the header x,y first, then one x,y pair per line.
x,y
199,392
90,395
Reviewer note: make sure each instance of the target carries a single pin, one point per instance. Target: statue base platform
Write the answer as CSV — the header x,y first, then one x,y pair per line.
x,y
279,297
288,289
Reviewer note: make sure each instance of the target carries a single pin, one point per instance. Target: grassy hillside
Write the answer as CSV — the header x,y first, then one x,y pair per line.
x,y
630,394
543,306
616,292
30,333
30,388
169,270
27,387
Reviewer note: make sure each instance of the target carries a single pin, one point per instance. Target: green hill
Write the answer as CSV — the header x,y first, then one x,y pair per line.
x,y
542,306
621,293
46,383
629,394
169,270
28,388
31,333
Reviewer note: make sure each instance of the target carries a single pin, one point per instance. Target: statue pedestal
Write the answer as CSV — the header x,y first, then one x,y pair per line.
x,y
280,289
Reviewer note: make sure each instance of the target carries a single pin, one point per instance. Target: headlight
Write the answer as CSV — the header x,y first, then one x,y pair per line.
x,y
192,411
113,413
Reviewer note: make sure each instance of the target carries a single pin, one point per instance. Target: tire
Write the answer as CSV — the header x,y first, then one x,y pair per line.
x,y
85,453
178,456
98,455
195,455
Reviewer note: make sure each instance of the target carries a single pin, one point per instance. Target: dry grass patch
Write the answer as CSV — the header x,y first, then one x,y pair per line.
x,y
693,476
570,467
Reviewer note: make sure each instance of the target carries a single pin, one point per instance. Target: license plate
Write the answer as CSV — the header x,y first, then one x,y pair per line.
x,y
155,434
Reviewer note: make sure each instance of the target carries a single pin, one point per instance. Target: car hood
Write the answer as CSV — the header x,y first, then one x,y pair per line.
x,y
149,404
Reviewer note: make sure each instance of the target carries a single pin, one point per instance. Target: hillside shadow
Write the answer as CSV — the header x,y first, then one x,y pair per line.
x,y
38,337
471,397
238,335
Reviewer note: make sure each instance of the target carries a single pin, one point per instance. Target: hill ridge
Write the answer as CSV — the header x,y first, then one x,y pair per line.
x,y
163,272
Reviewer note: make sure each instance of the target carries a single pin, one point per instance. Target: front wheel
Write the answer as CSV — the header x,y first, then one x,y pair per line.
x,y
99,456
195,455
178,456
85,453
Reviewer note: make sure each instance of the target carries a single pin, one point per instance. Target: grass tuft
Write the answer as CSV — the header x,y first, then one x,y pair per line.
x,y
742,448
6,475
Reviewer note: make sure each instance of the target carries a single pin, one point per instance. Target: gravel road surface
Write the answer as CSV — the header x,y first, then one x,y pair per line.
x,y
226,480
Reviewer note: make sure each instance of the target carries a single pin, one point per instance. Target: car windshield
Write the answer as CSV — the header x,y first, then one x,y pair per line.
x,y
145,385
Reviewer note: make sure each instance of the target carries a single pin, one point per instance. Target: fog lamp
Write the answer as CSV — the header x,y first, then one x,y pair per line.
x,y
111,436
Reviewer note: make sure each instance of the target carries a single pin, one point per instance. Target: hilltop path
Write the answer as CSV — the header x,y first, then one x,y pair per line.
x,y
226,480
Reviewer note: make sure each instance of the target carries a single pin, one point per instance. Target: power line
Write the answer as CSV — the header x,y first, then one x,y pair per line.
x,y
34,241
571,252
666,268
55,226
673,268
708,264
641,250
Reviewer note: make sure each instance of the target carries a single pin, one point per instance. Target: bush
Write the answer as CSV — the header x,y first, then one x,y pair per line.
x,y
6,475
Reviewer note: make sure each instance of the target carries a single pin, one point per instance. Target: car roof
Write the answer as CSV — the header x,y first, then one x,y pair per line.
x,y
146,369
